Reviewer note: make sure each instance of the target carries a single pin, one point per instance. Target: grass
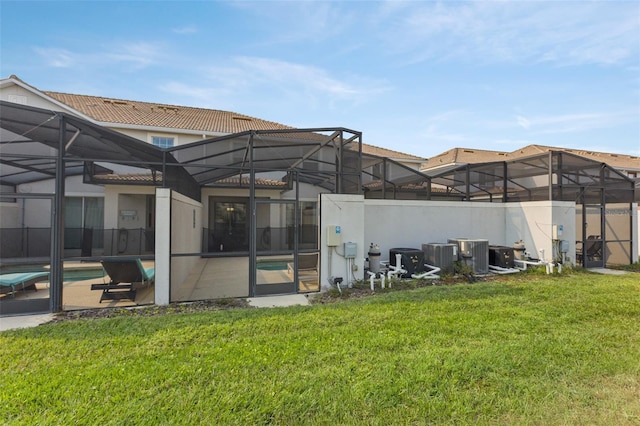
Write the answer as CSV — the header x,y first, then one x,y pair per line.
x,y
531,349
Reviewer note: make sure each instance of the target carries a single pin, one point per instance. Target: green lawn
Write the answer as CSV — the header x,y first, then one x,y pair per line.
x,y
524,350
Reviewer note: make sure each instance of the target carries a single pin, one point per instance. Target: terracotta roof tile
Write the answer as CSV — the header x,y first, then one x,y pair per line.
x,y
137,113
148,179
388,153
473,155
122,111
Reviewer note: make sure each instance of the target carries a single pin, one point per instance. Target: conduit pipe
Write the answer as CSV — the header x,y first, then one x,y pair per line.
x,y
431,274
500,270
373,276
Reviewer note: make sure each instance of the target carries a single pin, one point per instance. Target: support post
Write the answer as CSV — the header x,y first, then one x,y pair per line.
x,y
57,225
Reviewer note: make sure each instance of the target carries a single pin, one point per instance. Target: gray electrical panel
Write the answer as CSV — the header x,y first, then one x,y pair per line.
x,y
350,250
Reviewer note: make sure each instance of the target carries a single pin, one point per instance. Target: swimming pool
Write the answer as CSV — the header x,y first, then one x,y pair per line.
x,y
272,266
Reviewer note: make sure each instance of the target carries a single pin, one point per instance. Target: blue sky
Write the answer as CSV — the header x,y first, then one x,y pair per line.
x,y
419,77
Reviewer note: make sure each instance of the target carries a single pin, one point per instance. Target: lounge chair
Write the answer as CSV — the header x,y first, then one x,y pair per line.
x,y
9,283
307,264
123,274
592,251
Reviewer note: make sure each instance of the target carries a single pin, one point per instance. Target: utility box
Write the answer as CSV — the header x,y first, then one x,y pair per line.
x,y
334,236
350,250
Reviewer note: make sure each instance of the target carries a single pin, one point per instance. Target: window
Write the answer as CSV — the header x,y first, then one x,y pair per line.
x,y
82,213
162,141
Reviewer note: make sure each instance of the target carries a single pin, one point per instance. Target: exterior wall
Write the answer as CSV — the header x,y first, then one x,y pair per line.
x,y
392,224
124,197
10,214
532,222
346,211
564,213
19,95
178,224
163,247
186,227
147,135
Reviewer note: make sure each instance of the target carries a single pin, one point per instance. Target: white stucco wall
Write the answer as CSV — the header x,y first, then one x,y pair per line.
x,y
532,222
163,247
186,235
392,223
178,229
346,211
17,94
10,214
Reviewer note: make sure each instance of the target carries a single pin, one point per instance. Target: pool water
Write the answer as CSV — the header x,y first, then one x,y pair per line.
x,y
272,266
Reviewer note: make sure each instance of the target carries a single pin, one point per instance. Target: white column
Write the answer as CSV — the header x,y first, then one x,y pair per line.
x,y
163,246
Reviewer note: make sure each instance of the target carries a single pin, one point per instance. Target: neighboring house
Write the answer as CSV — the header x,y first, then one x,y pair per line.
x,y
627,165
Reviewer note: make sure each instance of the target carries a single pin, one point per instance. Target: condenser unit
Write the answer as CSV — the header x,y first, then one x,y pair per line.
x,y
474,253
441,255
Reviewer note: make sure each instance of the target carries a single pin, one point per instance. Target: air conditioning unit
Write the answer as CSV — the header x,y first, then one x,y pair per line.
x,y
501,256
474,253
412,260
441,255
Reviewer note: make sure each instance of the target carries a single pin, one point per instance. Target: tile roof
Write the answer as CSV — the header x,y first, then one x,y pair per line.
x,y
388,153
149,179
473,155
138,113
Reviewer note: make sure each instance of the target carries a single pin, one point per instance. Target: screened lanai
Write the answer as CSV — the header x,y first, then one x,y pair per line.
x,y
604,197
247,202
257,191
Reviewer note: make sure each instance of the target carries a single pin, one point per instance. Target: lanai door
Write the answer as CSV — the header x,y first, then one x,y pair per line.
x,y
275,247
590,230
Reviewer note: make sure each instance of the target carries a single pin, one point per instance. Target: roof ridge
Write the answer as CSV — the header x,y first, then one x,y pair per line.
x,y
393,150
544,148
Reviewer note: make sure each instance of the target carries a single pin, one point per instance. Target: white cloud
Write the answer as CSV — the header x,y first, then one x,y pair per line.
x,y
578,122
487,32
134,55
187,29
138,54
299,21
55,57
523,122
247,73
